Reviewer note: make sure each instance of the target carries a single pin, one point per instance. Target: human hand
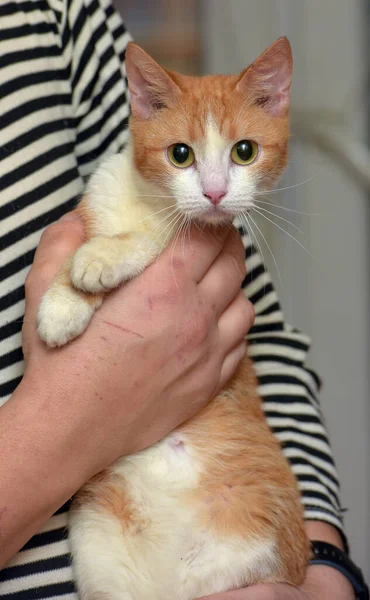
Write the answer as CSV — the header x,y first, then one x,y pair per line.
x,y
322,583
154,354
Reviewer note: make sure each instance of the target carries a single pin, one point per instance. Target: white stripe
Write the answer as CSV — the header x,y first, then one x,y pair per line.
x,y
42,553
36,580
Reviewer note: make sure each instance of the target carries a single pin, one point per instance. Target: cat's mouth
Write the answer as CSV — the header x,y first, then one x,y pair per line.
x,y
215,215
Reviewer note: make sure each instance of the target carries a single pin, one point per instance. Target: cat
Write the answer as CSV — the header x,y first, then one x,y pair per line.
x,y
213,506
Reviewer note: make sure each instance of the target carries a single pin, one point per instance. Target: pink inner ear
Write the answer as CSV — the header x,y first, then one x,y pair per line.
x,y
276,84
268,78
151,88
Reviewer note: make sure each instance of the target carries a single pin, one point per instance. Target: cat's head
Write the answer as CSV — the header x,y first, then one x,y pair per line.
x,y
212,142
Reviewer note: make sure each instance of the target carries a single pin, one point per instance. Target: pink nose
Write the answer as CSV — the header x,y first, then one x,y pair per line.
x,y
215,196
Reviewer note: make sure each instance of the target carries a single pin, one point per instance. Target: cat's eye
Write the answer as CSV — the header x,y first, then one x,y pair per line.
x,y
181,155
244,152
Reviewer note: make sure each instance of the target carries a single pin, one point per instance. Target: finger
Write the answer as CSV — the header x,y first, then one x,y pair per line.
x,y
235,322
230,364
196,250
58,242
223,279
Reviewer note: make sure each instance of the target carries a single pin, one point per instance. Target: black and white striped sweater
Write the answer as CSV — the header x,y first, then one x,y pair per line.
x,y
63,107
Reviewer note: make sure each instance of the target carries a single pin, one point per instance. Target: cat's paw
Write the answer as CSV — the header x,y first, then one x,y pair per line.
x,y
63,315
103,263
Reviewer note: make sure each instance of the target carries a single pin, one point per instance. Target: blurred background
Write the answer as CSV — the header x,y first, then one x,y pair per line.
x,y
324,275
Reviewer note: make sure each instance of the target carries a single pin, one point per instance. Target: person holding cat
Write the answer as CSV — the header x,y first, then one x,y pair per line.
x,y
70,87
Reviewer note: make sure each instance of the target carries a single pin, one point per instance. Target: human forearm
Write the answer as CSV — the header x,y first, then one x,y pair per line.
x,y
40,468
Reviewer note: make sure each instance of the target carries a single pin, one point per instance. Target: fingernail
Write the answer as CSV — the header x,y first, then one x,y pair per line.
x,y
70,216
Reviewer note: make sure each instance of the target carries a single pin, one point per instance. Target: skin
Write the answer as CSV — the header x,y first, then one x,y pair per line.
x,y
156,352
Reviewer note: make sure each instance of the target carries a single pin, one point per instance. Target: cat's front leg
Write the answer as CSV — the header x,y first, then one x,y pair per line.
x,y
104,262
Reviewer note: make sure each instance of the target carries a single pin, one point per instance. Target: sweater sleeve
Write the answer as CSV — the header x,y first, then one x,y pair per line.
x,y
289,392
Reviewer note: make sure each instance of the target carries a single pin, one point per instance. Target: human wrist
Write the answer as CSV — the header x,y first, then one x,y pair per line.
x,y
326,583
323,581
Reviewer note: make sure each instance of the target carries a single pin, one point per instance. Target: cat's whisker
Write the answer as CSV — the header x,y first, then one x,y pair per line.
x,y
153,196
269,212
174,242
286,208
244,217
163,220
157,213
268,246
171,226
287,233
289,187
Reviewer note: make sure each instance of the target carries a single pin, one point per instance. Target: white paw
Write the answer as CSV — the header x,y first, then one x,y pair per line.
x,y
93,273
101,265
62,316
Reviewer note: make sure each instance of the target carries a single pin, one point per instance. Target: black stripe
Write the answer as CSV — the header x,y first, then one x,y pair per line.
x,y
12,298
280,341
10,358
10,328
283,378
48,76
32,106
28,29
32,166
37,223
310,478
45,591
253,275
276,358
267,327
299,460
35,195
28,54
249,252
65,508
311,450
35,134
97,127
275,306
39,566
10,8
261,293
8,388
292,429
104,145
19,263
118,32
300,418
45,538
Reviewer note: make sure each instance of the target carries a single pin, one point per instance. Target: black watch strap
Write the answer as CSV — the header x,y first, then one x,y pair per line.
x,y
331,556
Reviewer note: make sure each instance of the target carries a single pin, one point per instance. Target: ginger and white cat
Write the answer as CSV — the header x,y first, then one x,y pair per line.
x,y
213,506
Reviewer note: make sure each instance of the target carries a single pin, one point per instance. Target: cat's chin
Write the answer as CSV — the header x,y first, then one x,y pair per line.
x,y
215,216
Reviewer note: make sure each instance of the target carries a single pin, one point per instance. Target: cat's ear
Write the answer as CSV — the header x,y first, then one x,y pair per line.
x,y
151,88
268,79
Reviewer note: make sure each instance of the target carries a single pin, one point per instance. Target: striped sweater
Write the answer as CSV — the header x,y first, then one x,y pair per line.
x,y
63,107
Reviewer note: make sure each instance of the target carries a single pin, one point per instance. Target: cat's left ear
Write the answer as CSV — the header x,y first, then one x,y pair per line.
x,y
151,88
267,81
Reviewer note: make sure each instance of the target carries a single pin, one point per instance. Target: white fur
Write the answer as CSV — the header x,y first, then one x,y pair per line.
x,y
62,315
169,556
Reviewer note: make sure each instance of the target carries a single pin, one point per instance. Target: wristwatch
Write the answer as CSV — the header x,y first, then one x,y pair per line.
x,y
331,556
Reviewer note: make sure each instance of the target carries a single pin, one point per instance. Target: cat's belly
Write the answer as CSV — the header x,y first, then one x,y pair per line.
x,y
138,536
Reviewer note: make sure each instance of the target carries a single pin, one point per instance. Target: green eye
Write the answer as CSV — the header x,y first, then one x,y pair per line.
x,y
181,155
244,152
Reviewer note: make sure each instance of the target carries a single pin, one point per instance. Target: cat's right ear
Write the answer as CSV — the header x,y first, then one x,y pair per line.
x,y
151,88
